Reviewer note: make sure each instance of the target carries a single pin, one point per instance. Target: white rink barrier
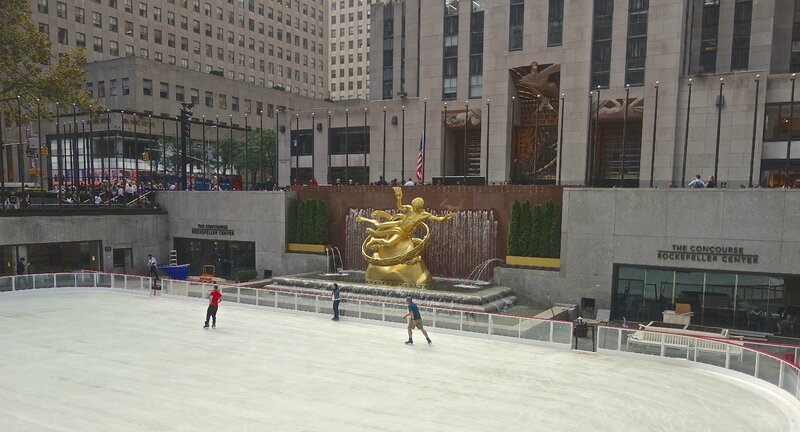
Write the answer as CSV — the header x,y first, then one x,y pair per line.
x,y
773,363
558,333
764,362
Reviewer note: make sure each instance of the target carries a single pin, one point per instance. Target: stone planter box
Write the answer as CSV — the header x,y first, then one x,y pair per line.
x,y
305,248
544,263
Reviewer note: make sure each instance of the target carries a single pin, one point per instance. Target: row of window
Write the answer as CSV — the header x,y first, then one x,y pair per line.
x,y
357,85
124,88
350,3
43,6
351,31
516,24
232,58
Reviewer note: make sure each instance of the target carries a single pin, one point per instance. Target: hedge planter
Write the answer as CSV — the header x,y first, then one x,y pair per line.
x,y
306,248
544,263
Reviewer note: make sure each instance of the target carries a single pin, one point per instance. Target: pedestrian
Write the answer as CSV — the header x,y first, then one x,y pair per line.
x,y
410,182
214,297
414,321
335,299
697,183
22,266
153,265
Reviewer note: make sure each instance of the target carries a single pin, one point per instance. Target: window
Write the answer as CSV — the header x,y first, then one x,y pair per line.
x,y
195,96
128,50
126,86
163,90
128,28
113,48
90,89
41,6
555,23
157,37
98,44
476,50
112,87
794,59
143,32
79,15
80,39
636,52
113,24
143,10
450,51
101,89
601,42
170,18
235,104
388,51
147,87
128,5
742,18
223,101
61,10
708,37
97,20
516,24
157,14
63,36
179,90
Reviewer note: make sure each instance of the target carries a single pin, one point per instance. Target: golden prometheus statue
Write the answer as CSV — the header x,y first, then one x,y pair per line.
x,y
392,252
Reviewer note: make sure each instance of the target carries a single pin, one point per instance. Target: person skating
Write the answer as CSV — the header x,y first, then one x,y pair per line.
x,y
415,321
335,299
214,297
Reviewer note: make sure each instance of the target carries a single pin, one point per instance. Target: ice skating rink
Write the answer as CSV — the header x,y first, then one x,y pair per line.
x,y
105,361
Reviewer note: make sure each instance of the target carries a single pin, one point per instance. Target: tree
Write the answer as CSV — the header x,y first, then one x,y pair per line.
x,y
321,223
514,227
525,222
249,160
30,74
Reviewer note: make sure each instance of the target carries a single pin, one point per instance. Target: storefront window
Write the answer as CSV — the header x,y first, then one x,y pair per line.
x,y
718,299
227,257
52,257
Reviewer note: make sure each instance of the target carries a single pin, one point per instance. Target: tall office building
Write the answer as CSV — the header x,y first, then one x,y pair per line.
x,y
271,44
601,92
349,49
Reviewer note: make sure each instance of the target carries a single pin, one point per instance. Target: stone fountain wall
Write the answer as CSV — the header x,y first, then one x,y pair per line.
x,y
457,247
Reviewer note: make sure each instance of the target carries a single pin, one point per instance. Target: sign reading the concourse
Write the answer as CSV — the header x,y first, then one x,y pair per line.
x,y
208,229
710,254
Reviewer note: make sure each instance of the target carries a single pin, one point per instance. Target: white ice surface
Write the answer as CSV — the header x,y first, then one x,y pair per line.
x,y
97,361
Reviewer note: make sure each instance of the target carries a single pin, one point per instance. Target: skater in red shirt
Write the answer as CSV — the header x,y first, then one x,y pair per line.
x,y
214,297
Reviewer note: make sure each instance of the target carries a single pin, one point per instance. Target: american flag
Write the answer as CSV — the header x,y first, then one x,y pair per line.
x,y
421,156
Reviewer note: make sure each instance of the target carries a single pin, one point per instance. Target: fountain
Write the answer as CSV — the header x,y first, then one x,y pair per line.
x,y
389,260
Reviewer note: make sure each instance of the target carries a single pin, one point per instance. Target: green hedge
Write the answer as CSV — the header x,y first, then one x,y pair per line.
x,y
307,221
535,231
245,275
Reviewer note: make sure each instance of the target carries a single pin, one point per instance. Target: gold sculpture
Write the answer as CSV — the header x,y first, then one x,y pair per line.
x,y
392,252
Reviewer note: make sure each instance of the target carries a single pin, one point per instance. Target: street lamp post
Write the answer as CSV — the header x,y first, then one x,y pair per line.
x,y
560,137
444,145
403,144
464,149
789,138
624,137
366,147
245,185
719,129
488,116
755,121
686,135
424,137
653,148
383,174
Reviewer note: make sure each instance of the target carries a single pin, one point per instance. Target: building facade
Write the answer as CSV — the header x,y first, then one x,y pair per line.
x,y
349,49
551,91
271,44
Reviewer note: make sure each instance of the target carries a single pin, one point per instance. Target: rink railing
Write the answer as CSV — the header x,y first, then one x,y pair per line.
x,y
769,362
518,327
777,368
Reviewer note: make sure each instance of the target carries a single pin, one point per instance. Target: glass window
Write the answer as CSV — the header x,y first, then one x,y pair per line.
x,y
147,87
516,24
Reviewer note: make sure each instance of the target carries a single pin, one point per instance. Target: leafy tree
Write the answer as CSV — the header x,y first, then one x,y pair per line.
x,y
536,237
525,221
321,223
249,161
514,226
30,73
292,221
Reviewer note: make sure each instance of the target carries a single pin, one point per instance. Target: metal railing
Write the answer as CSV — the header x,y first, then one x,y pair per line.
x,y
512,326
778,369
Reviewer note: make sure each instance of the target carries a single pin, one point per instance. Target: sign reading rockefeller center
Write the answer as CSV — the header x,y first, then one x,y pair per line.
x,y
208,229
705,253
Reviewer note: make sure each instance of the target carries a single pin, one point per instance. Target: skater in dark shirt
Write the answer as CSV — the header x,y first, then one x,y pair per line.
x,y
214,297
414,321
335,299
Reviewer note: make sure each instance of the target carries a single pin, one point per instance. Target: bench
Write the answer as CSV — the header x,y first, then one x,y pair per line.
x,y
668,340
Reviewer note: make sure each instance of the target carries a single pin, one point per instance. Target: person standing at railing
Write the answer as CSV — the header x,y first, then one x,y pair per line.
x,y
414,321
22,266
214,297
153,265
335,298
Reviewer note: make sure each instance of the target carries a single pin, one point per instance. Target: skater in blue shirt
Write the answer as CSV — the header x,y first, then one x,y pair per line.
x,y
415,321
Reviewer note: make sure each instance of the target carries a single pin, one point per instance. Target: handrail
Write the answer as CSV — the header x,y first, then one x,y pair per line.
x,y
749,342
